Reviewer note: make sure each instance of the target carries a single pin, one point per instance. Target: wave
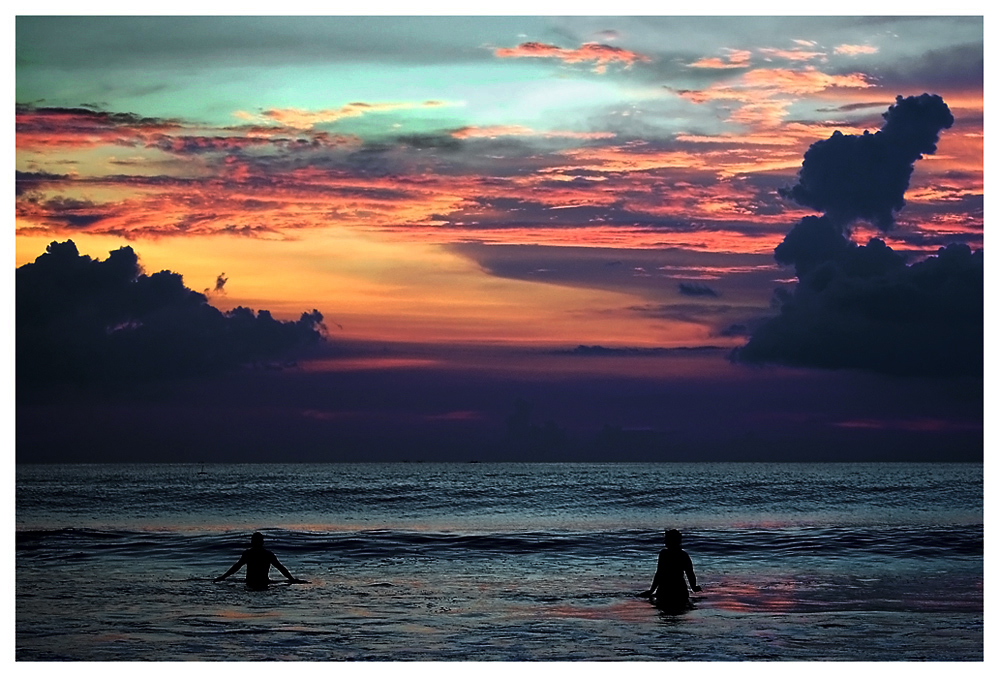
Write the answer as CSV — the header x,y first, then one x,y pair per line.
x,y
757,544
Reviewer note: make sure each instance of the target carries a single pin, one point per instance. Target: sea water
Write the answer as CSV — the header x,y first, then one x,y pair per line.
x,y
513,562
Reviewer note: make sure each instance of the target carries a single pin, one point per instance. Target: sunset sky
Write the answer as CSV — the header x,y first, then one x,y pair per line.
x,y
490,193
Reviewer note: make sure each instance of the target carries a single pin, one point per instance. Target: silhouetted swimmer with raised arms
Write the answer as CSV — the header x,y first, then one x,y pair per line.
x,y
669,591
259,561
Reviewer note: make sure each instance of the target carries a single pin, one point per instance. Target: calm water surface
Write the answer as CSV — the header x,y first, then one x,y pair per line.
x,y
509,562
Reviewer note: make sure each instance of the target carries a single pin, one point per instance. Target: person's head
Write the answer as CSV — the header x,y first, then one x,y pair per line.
x,y
672,538
257,539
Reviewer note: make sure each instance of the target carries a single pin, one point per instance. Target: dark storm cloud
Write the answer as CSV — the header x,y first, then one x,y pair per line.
x,y
863,307
87,321
813,241
850,177
736,330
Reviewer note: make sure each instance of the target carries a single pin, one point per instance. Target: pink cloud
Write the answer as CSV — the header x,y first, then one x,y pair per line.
x,y
855,50
766,93
37,128
600,54
734,59
297,118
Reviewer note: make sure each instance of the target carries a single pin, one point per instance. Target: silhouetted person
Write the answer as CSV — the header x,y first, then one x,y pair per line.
x,y
258,561
669,590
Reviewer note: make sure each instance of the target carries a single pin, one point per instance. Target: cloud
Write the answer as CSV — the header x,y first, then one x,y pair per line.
x,y
958,70
297,118
696,290
790,54
767,93
806,81
760,83
855,50
29,182
274,181
50,127
851,107
803,52
273,139
494,131
734,58
863,307
84,321
68,213
851,177
600,54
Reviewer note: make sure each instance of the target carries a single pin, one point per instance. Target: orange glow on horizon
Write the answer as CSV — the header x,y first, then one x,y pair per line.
x,y
380,289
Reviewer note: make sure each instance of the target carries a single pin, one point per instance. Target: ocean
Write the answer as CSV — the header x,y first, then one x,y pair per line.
x,y
499,562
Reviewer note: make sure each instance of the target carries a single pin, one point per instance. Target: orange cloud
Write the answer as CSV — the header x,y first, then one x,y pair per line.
x,y
795,134
855,50
736,58
769,82
242,199
634,158
301,119
611,237
600,54
629,158
696,192
790,54
766,93
49,128
807,81
761,114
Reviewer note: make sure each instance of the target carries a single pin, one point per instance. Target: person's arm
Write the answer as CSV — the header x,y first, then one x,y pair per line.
x,y
689,571
233,569
282,570
656,579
